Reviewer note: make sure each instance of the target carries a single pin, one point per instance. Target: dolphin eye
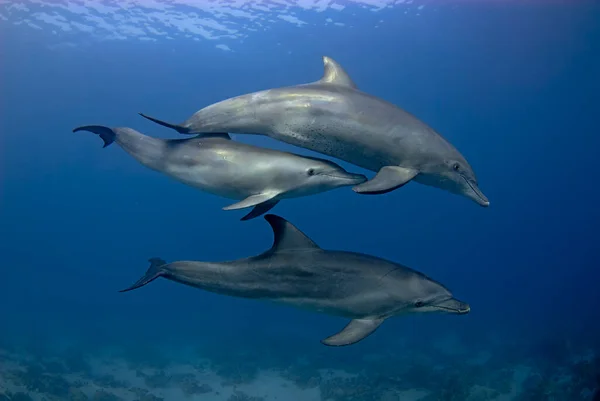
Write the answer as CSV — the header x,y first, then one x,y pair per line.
x,y
456,167
418,304
311,171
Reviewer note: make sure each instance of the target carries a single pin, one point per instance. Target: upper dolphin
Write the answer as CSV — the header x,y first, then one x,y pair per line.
x,y
216,164
331,116
297,272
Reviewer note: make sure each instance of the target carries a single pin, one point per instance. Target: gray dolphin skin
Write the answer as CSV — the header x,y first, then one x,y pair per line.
x,y
332,117
214,163
297,272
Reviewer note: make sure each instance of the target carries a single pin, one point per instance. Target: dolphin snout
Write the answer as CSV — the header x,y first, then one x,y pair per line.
x,y
476,195
348,178
357,179
464,308
453,305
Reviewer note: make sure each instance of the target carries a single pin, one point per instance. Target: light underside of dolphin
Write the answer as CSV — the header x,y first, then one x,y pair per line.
x,y
255,177
295,271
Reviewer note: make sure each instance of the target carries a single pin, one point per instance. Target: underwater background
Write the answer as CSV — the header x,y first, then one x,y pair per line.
x,y
513,85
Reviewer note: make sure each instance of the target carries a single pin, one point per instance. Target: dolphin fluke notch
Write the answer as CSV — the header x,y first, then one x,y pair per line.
x,y
107,134
286,237
153,272
334,74
179,128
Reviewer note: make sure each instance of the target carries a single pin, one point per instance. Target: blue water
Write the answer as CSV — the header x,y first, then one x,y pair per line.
x,y
515,87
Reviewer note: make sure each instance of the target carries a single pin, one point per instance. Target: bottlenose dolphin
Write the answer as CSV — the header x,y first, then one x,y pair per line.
x,y
297,272
216,164
331,116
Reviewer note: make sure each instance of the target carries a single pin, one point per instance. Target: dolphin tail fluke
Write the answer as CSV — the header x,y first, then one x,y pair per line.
x,y
153,272
107,134
179,128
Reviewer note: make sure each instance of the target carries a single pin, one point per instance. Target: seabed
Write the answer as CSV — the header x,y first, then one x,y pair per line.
x,y
550,371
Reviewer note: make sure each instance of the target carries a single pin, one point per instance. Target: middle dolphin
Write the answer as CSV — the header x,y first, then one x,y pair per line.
x,y
297,272
214,163
331,116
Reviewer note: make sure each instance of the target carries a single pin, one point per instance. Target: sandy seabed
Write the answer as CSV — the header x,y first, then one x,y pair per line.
x,y
115,376
118,381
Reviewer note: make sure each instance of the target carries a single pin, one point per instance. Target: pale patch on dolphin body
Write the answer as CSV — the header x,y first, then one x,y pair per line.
x,y
295,271
214,163
331,116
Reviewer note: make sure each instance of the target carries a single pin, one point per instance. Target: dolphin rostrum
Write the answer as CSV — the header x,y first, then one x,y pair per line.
x,y
331,116
214,163
296,271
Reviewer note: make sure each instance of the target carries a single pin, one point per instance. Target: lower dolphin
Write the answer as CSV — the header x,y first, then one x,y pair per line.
x,y
297,272
258,177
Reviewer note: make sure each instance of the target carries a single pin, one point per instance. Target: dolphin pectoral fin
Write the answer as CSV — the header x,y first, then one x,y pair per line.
x,y
252,200
260,209
386,180
355,331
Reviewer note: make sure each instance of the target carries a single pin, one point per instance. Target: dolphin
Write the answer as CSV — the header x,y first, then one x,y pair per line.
x,y
296,271
333,117
258,177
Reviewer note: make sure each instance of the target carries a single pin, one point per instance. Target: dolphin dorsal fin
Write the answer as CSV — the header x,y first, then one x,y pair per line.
x,y
334,74
287,237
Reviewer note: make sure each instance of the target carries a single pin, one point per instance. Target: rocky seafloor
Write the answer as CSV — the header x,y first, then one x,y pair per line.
x,y
550,371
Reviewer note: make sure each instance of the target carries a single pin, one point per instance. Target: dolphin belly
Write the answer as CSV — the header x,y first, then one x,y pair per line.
x,y
223,167
226,182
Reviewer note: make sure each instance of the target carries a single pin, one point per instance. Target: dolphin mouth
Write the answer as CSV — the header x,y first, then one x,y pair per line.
x,y
476,193
453,305
352,179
